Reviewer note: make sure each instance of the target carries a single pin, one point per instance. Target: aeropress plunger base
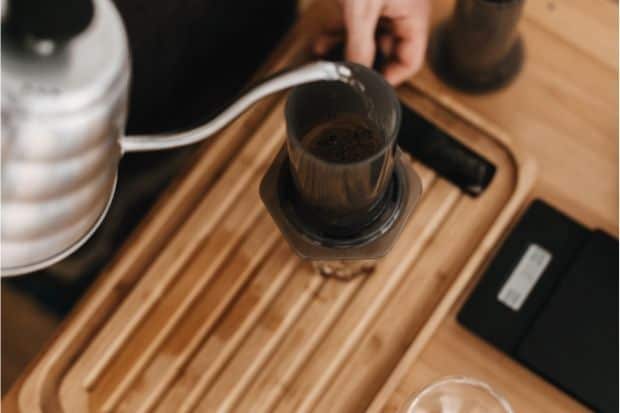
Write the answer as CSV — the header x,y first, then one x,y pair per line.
x,y
370,241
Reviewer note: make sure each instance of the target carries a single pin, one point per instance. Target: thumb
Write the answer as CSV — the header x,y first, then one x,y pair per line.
x,y
360,18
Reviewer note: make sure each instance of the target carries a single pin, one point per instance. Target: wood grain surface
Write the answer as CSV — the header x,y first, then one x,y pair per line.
x,y
207,309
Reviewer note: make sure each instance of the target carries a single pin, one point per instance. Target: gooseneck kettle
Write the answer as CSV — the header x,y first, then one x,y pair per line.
x,y
65,79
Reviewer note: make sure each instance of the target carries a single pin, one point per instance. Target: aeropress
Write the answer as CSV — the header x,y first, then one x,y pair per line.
x,y
339,191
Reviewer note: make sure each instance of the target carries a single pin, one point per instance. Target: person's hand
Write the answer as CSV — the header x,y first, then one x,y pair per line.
x,y
400,27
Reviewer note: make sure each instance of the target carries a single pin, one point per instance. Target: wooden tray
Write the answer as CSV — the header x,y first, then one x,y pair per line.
x,y
208,309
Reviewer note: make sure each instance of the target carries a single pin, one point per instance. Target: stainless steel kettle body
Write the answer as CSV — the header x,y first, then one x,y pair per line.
x,y
63,116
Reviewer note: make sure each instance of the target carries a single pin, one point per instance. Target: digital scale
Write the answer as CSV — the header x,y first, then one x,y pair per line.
x,y
549,299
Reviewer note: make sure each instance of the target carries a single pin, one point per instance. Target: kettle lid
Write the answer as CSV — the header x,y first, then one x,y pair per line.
x,y
63,57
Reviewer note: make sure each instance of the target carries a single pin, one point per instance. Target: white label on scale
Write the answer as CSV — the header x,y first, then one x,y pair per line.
x,y
524,277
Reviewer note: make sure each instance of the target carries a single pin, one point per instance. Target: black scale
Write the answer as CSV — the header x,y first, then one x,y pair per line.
x,y
549,299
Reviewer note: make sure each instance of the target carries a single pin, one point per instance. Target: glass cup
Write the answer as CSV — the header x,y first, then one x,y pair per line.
x,y
458,395
483,32
337,199
479,48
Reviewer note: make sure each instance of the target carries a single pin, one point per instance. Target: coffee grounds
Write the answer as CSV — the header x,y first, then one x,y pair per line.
x,y
346,139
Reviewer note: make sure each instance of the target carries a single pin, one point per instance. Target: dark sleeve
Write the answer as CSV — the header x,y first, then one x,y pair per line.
x,y
190,57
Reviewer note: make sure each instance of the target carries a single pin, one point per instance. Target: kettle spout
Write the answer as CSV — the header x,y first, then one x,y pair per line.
x,y
312,72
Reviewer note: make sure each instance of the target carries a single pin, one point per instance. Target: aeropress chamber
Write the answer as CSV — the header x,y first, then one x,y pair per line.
x,y
338,190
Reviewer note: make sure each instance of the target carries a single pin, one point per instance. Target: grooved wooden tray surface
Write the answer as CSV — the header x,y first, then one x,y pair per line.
x,y
212,311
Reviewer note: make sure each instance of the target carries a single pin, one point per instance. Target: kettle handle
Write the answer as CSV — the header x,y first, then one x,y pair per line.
x,y
312,72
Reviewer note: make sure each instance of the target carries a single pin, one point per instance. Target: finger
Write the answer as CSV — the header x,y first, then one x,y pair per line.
x,y
396,73
408,58
412,50
360,19
409,51
325,43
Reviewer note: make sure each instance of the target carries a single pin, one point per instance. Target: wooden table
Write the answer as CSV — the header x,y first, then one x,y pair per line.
x,y
563,110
